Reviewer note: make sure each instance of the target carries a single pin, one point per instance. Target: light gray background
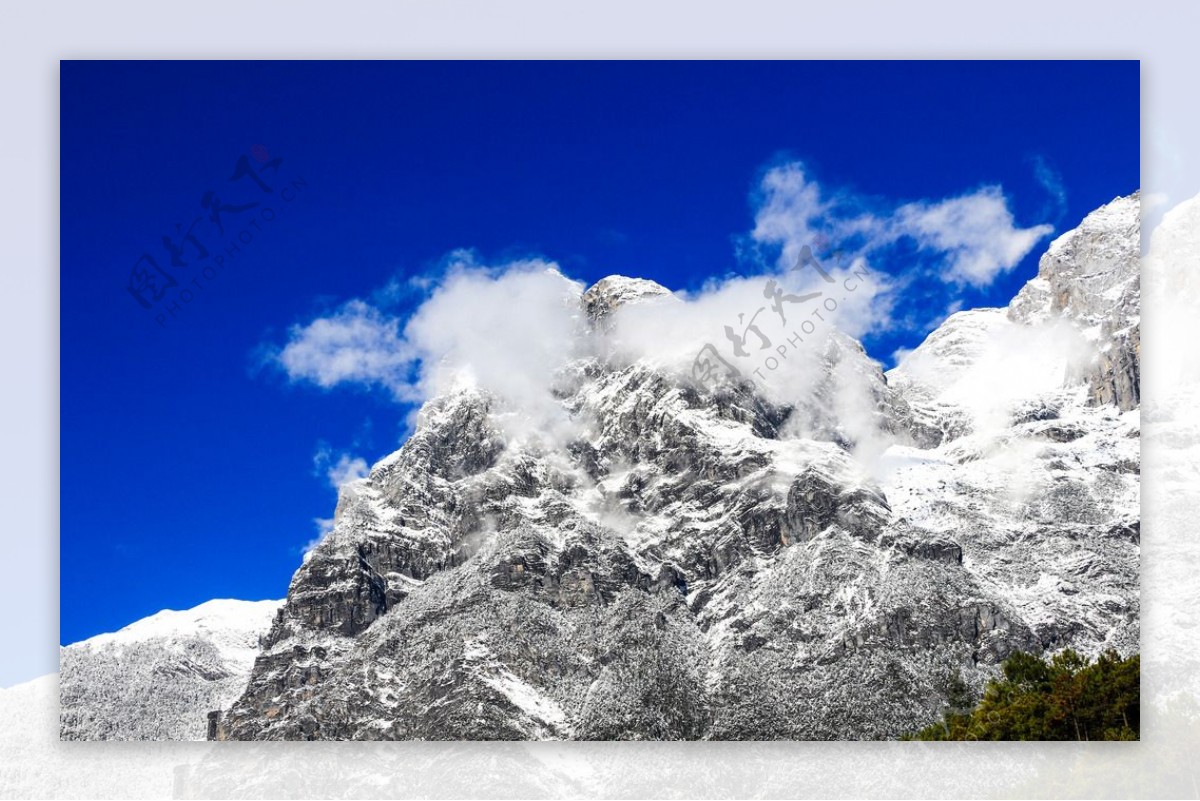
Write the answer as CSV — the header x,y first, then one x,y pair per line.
x,y
34,37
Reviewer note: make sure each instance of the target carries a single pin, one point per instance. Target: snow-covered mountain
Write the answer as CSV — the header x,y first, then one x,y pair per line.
x,y
699,561
156,679
694,560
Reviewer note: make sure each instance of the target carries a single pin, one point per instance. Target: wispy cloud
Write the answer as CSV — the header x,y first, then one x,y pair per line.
x,y
791,212
339,470
506,328
973,237
347,469
356,344
975,234
1051,180
324,525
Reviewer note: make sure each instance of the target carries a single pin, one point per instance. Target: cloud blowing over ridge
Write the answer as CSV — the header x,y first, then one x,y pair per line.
x,y
509,328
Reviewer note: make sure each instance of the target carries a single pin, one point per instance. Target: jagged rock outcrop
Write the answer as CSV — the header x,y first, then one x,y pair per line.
x,y
698,561
1091,276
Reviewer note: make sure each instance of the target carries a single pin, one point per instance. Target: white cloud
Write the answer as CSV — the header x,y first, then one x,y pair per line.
x,y
670,335
900,354
790,211
967,240
340,471
507,329
976,232
356,344
347,469
1051,180
511,328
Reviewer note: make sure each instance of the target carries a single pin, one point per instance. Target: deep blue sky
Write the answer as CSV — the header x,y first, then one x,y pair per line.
x,y
188,475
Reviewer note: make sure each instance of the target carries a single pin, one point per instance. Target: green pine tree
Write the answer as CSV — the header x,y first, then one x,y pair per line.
x,y
1067,697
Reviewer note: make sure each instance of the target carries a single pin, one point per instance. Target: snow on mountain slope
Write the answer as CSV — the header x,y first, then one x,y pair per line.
x,y
231,626
1038,437
157,678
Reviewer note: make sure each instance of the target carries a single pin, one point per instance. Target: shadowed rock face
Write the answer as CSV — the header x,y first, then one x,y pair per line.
x,y
687,566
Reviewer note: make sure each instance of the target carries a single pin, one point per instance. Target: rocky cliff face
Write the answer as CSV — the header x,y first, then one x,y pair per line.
x,y
690,566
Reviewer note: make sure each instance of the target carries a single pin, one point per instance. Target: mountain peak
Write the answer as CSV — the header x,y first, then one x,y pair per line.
x,y
220,616
159,677
1086,273
610,293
